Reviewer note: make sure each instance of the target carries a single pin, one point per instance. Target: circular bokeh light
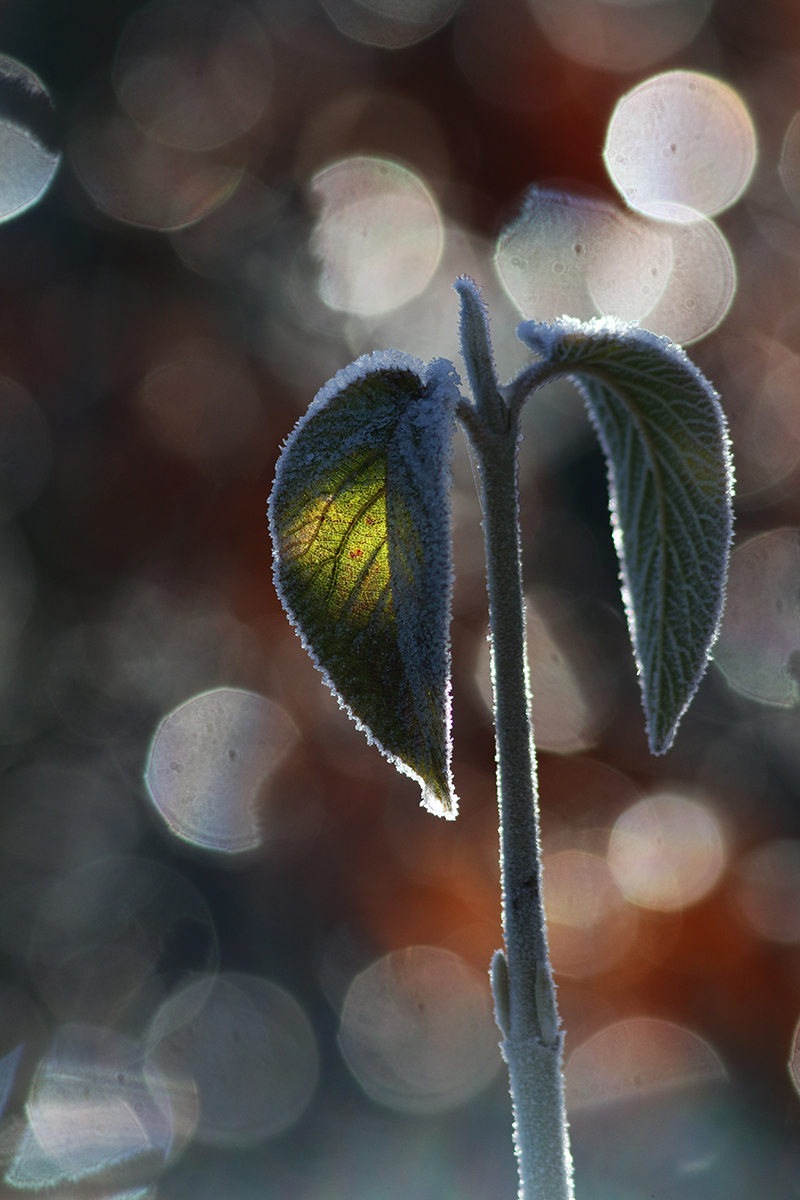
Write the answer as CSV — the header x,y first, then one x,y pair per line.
x,y
635,1058
572,255
208,764
790,159
142,182
30,139
417,1031
193,73
390,24
249,1048
544,254
758,649
94,1108
620,35
378,237
110,939
680,143
701,285
666,852
590,924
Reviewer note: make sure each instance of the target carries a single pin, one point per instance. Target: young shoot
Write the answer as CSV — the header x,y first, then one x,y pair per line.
x,y
360,524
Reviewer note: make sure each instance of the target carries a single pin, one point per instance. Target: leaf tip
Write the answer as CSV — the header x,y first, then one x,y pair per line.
x,y
440,803
660,741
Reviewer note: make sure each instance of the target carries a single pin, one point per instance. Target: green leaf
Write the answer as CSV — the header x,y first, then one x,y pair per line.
x,y
360,523
670,482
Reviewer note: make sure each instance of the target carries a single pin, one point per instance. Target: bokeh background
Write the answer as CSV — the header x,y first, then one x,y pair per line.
x,y
238,959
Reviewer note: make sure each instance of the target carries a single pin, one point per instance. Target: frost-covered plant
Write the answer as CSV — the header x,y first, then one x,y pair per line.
x,y
360,523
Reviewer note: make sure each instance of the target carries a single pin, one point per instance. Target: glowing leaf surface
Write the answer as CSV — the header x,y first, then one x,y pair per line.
x,y
360,523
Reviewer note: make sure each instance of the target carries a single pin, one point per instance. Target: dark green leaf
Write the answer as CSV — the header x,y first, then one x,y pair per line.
x,y
670,481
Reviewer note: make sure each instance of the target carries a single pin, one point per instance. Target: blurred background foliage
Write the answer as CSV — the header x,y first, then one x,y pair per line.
x,y
237,958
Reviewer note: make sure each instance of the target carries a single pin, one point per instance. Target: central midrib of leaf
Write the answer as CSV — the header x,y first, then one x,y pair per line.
x,y
652,459
669,523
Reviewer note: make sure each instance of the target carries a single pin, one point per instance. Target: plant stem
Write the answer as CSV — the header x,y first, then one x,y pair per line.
x,y
522,980
533,1043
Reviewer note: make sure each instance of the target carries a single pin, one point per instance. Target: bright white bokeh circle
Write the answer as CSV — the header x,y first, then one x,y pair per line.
x,y
680,142
579,256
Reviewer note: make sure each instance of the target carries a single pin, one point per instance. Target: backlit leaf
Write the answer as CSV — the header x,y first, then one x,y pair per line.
x,y
670,481
360,523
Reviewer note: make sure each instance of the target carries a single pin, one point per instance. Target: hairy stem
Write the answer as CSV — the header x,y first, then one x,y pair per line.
x,y
522,979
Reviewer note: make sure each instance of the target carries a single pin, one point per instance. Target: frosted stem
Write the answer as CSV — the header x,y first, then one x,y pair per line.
x,y
522,980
